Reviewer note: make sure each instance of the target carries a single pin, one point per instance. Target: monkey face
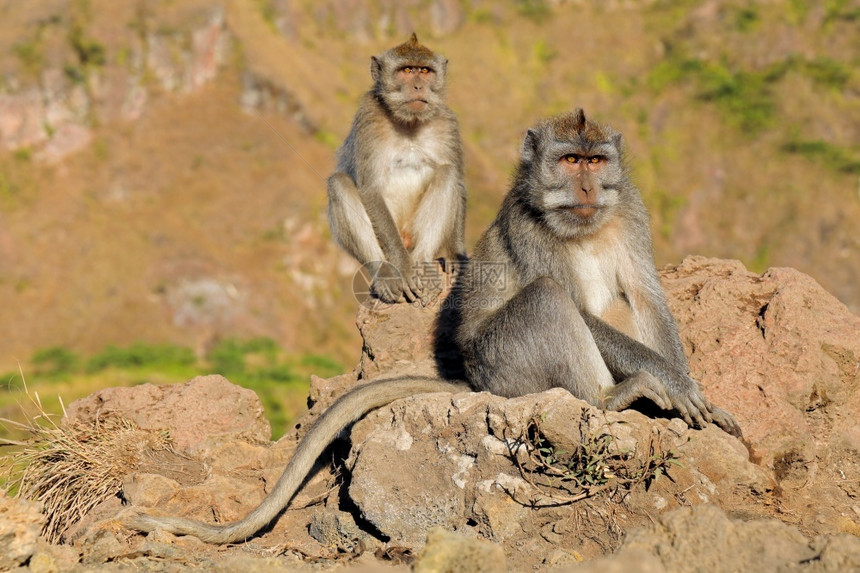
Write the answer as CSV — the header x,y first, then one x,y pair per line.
x,y
575,176
410,81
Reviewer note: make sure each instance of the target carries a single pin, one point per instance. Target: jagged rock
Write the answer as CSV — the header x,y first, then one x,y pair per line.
x,y
197,413
457,458
783,355
776,347
20,525
458,469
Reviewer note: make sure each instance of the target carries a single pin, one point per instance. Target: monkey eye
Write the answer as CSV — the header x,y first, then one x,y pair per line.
x,y
572,158
595,159
408,69
425,70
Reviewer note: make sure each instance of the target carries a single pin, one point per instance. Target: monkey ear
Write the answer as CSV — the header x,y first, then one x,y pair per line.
x,y
375,68
528,150
617,140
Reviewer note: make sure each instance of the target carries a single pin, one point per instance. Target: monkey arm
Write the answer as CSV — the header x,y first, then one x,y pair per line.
x,y
625,357
384,228
346,410
389,285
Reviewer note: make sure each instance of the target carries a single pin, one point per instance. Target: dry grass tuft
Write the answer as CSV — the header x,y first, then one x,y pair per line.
x,y
71,468
597,466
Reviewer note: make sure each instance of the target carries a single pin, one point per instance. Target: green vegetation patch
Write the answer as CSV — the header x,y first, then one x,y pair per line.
x,y
746,97
280,379
828,154
140,356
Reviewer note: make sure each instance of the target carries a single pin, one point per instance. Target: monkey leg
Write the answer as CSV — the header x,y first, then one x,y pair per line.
x,y
348,220
436,218
352,229
537,341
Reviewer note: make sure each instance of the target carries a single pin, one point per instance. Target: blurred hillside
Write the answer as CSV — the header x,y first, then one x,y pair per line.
x,y
163,163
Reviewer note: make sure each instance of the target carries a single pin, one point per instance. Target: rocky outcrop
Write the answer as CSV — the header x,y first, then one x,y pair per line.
x,y
205,410
545,477
784,356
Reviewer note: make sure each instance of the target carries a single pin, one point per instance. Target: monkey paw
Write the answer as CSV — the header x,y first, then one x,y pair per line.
x,y
726,422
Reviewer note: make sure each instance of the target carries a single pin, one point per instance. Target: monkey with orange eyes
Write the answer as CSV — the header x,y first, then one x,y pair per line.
x,y
397,198
561,292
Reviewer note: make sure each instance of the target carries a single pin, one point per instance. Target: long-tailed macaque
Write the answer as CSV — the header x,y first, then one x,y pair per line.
x,y
397,198
561,292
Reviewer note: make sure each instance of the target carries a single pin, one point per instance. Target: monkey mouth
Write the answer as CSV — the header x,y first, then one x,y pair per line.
x,y
416,104
582,210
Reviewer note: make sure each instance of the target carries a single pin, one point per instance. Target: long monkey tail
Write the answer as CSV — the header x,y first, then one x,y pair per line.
x,y
346,410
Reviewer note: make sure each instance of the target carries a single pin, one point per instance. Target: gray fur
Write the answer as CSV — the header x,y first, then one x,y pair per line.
x,y
400,169
533,302
561,271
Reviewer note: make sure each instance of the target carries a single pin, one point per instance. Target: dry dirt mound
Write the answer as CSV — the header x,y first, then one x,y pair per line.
x,y
540,481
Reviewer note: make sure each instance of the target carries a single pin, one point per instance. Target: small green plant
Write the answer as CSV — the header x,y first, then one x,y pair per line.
x,y
840,10
23,154
327,138
797,11
88,51
747,18
269,14
827,72
543,52
595,466
30,55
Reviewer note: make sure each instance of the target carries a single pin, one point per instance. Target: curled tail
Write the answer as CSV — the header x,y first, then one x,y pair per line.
x,y
346,410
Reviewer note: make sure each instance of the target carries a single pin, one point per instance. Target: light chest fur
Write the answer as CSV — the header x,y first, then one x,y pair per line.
x,y
408,164
599,270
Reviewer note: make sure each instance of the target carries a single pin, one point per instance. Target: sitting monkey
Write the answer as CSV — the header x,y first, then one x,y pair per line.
x,y
397,199
561,292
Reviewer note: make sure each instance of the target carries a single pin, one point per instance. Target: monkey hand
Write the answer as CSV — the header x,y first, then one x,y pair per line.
x,y
688,400
393,285
726,422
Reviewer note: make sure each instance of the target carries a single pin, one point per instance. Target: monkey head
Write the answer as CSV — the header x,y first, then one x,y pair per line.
x,y
572,175
409,81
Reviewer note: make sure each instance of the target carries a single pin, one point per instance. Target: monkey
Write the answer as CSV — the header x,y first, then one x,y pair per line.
x,y
561,291
397,198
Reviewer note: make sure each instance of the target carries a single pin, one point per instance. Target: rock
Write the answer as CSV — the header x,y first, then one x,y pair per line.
x,y
783,355
466,462
448,551
20,525
197,413
775,348
338,529
460,472
704,538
